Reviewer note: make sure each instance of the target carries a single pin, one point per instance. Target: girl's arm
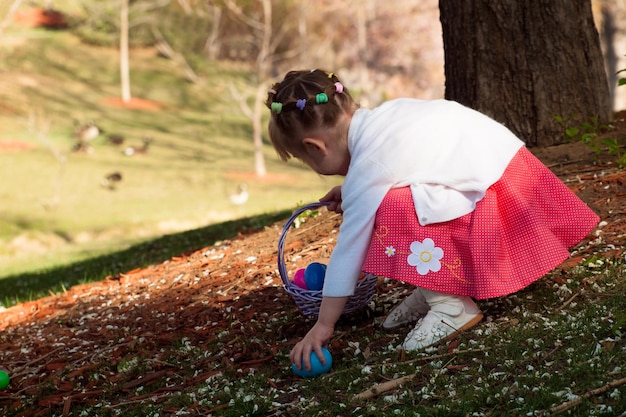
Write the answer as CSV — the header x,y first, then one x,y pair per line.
x,y
319,335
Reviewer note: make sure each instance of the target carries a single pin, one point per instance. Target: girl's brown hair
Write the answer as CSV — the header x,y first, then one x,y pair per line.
x,y
301,102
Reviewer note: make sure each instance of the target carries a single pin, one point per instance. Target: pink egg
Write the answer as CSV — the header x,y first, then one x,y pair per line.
x,y
298,279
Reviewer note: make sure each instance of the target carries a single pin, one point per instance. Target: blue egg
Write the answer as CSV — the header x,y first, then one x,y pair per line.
x,y
317,368
314,276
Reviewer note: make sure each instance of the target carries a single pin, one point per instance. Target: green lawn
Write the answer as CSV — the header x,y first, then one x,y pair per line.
x,y
54,208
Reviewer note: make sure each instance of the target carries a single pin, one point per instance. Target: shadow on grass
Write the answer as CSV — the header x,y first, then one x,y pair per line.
x,y
33,285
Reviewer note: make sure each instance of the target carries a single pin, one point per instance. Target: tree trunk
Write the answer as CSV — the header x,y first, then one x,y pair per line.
x,y
213,43
124,65
262,30
523,63
607,20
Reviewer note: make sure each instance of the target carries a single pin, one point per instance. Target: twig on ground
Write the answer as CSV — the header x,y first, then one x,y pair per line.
x,y
22,370
443,355
384,387
394,383
563,163
566,303
573,403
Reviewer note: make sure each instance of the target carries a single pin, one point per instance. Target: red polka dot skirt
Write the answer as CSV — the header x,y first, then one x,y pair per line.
x,y
518,232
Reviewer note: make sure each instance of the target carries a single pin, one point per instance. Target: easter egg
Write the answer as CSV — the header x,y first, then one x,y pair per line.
x,y
314,276
298,279
317,368
4,380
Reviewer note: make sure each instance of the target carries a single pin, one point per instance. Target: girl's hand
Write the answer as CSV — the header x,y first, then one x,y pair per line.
x,y
334,196
317,337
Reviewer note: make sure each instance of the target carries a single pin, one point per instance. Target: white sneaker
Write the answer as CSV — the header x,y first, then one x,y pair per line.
x,y
413,308
449,315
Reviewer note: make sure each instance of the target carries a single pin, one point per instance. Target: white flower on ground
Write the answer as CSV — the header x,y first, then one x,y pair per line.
x,y
425,256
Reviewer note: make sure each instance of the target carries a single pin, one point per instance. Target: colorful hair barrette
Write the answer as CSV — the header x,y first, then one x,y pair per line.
x,y
301,103
321,98
338,87
330,75
277,107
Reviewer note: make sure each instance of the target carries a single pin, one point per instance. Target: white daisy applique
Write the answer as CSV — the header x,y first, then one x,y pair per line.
x,y
390,251
425,256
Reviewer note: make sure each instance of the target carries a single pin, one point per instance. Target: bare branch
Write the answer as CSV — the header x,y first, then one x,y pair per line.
x,y
240,98
9,16
166,50
242,17
141,8
184,4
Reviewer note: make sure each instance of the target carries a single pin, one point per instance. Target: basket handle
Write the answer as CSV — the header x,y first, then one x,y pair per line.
x,y
282,269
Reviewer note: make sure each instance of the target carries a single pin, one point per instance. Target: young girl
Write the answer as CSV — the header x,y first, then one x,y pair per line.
x,y
435,194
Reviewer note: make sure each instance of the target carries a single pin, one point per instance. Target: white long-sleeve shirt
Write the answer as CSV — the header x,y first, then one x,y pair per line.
x,y
447,153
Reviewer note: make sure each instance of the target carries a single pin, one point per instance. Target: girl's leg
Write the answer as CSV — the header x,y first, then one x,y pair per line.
x,y
413,308
448,316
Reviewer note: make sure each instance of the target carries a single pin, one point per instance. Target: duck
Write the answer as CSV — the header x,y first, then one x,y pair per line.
x,y
134,150
241,196
111,180
84,134
115,139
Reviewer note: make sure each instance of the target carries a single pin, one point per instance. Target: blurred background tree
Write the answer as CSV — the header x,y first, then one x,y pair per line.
x,y
521,65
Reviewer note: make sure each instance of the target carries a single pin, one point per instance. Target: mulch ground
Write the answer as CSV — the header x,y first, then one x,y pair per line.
x,y
40,17
51,346
134,103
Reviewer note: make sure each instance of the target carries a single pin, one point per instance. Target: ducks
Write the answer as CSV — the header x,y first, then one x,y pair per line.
x,y
85,134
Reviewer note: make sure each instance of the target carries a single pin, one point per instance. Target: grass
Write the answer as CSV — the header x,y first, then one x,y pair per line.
x,y
55,210
534,354
25,286
537,353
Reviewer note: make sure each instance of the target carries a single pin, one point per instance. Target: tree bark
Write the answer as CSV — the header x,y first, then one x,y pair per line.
x,y
523,63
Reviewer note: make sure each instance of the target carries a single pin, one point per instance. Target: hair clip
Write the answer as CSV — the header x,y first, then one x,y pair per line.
x,y
271,91
321,98
301,103
330,75
277,107
338,87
